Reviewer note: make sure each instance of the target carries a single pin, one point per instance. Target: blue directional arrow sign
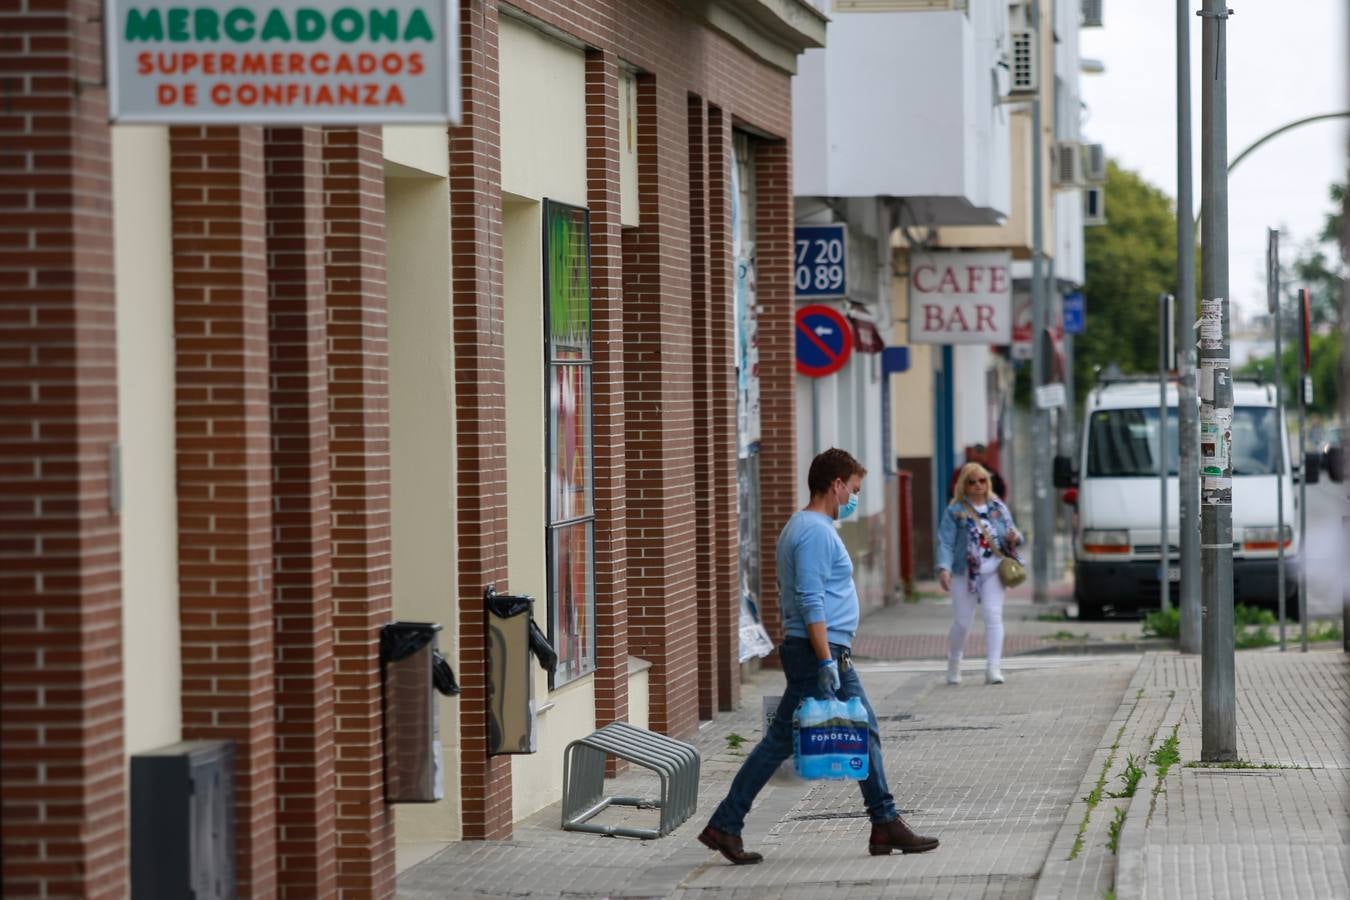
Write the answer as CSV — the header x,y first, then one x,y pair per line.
x,y
1075,313
824,340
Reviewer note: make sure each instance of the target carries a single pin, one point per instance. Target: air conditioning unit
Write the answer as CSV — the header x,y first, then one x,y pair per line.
x,y
1023,77
1094,164
1091,14
1094,206
1066,165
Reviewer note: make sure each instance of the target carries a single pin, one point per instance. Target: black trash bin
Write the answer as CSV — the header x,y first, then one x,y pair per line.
x,y
413,670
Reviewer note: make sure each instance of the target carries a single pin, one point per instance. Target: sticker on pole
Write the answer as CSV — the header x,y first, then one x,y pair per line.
x,y
824,341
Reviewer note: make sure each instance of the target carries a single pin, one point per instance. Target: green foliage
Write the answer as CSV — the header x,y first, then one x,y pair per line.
x,y
1244,615
1130,777
1163,623
1324,631
1113,830
1129,261
1166,755
1251,639
1325,356
734,742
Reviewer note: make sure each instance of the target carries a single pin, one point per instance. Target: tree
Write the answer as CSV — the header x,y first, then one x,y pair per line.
x,y
1319,266
1129,262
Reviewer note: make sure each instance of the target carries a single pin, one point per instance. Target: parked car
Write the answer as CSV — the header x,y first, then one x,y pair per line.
x,y
1331,453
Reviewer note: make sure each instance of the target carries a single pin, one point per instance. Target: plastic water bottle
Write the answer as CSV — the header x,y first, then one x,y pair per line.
x,y
829,739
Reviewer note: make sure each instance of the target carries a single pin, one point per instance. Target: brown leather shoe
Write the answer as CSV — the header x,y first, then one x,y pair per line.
x,y
729,845
896,835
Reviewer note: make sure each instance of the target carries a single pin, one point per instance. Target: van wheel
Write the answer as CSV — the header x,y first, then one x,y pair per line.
x,y
1089,610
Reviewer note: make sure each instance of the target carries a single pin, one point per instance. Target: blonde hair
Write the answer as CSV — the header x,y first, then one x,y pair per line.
x,y
971,468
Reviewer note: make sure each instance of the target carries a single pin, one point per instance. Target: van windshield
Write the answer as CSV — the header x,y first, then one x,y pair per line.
x,y
1123,443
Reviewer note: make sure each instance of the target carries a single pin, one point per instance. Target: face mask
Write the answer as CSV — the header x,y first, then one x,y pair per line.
x,y
850,507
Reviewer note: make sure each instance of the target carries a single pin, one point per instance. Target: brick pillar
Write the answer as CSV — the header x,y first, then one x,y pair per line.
x,y
707,529
358,443
63,789
301,548
726,562
778,475
224,471
658,416
480,409
607,421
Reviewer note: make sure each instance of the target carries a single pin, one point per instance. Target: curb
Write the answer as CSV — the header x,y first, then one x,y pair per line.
x,y
1081,648
1131,878
1055,869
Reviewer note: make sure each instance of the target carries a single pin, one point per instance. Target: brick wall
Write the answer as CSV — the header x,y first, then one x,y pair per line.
x,y
607,418
480,408
658,413
358,442
224,465
301,547
706,527
725,559
62,782
778,474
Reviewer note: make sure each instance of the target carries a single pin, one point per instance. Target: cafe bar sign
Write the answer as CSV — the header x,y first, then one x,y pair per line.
x,y
283,62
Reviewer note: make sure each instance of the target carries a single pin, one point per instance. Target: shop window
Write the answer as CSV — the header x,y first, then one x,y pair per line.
x,y
571,508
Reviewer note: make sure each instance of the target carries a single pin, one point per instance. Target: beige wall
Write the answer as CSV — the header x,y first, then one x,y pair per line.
x,y
543,109
422,453
912,391
424,149
543,156
145,399
628,167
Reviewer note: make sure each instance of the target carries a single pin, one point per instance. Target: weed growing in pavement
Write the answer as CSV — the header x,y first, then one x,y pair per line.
x,y
1108,895
1324,631
1239,764
1165,756
1133,772
1252,638
1167,624
1068,636
1163,623
1060,616
734,742
1113,830
1095,795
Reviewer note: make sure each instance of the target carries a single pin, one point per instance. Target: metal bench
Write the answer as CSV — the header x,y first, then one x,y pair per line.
x,y
674,762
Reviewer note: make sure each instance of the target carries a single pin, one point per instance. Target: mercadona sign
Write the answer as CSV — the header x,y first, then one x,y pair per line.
x,y
221,62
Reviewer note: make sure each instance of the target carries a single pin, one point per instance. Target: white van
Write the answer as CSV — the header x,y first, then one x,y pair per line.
x,y
1116,541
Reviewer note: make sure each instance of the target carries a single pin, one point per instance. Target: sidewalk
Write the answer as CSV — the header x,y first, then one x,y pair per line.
x,y
1000,774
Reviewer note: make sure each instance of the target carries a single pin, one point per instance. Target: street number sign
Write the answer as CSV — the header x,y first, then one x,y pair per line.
x,y
820,261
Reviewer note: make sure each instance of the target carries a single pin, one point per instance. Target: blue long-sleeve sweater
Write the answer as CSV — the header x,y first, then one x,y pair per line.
x,y
815,578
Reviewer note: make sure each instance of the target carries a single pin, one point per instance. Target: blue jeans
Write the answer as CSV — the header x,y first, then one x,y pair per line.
x,y
799,667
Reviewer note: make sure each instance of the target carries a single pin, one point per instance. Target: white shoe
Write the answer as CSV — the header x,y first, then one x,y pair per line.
x,y
993,676
953,671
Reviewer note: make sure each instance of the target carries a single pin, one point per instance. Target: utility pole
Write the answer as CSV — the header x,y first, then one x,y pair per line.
x,y
1164,532
1218,697
1188,434
1273,305
1042,524
1303,354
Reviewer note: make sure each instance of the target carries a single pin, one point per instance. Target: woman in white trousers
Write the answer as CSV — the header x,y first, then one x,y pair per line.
x,y
975,532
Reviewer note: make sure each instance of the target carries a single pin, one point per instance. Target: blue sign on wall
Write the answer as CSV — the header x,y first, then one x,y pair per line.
x,y
1075,313
820,254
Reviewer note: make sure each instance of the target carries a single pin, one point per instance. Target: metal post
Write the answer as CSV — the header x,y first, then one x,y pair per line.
x,y
1188,435
1273,305
1164,586
1218,698
1042,526
1303,482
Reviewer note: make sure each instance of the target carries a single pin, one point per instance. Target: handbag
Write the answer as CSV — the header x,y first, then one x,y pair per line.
x,y
1011,573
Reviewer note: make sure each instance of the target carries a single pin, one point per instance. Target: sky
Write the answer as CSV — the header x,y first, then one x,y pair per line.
x,y
1286,60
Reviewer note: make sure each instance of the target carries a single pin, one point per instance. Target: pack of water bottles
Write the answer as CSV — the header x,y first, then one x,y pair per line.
x,y
829,739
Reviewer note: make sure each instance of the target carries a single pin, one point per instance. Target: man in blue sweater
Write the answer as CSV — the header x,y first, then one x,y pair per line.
x,y
820,615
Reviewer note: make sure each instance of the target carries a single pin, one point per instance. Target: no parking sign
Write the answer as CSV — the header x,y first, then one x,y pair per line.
x,y
824,341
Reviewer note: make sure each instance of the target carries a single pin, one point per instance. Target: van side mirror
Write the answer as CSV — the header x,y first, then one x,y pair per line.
x,y
1312,466
1065,476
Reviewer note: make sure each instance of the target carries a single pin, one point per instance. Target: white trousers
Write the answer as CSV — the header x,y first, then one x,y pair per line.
x,y
989,592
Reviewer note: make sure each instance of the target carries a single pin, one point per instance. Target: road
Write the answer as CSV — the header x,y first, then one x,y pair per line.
x,y
1328,546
